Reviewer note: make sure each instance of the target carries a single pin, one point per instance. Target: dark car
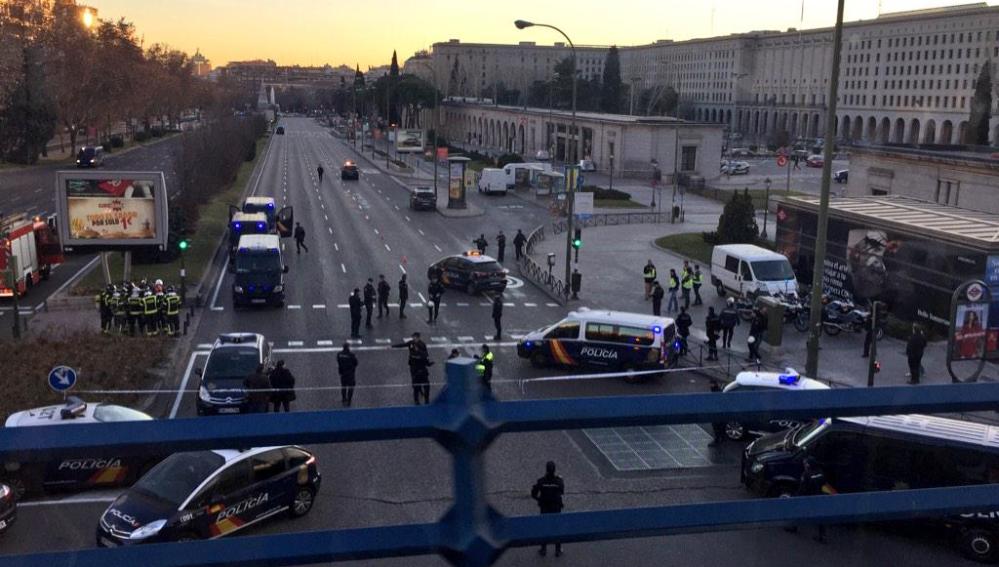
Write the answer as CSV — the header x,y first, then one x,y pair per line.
x,y
90,156
8,508
842,176
233,357
279,131
423,198
77,473
471,272
350,171
210,494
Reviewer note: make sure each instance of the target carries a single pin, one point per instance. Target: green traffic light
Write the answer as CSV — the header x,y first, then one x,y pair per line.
x,y
577,243
182,245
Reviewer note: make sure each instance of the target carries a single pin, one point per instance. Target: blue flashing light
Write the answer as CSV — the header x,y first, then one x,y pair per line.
x,y
260,226
239,226
657,329
788,379
528,344
270,205
251,287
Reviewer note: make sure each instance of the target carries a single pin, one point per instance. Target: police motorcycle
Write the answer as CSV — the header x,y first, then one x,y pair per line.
x,y
840,315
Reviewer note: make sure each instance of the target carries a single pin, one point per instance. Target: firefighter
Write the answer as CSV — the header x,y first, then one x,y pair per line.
x,y
172,309
150,314
135,320
103,301
119,308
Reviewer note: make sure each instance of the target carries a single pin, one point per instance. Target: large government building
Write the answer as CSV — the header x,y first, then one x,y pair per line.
x,y
906,77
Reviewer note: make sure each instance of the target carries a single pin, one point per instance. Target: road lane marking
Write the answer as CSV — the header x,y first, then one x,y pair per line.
x,y
423,299
551,305
218,308
438,339
295,343
396,207
354,341
460,304
438,248
335,245
407,218
319,306
485,303
342,306
203,346
383,341
421,232
403,268
183,384
530,305
343,268
294,307
218,284
376,231
509,305
324,343
466,338
387,248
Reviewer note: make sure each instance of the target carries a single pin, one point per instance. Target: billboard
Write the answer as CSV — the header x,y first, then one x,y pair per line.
x,y
409,141
107,209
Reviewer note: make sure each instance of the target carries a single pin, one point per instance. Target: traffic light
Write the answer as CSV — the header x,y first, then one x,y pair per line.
x,y
182,245
577,238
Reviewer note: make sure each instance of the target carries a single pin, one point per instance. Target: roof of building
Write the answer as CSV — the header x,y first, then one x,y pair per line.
x,y
962,226
968,155
590,116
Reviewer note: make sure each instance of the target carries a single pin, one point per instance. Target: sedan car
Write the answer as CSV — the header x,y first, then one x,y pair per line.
x,y
350,171
210,494
90,156
280,131
788,381
735,167
422,198
814,160
233,357
8,508
97,470
471,271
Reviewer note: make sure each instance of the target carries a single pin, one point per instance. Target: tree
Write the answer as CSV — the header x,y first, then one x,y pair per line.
x,y
28,121
737,223
660,100
358,78
981,108
394,68
612,89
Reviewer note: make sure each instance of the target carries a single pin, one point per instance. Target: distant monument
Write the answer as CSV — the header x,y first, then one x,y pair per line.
x,y
262,101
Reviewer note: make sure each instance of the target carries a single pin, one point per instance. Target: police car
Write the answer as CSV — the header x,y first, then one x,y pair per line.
x,y
789,381
97,470
8,508
210,494
350,171
233,357
472,271
613,340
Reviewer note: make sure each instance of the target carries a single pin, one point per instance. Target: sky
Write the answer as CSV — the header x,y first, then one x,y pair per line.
x,y
315,32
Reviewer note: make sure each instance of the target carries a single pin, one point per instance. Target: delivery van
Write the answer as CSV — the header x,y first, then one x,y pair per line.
x,y
521,175
747,270
492,180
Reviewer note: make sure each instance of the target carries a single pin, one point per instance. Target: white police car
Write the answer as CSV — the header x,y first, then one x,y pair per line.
x,y
210,494
97,470
789,380
614,340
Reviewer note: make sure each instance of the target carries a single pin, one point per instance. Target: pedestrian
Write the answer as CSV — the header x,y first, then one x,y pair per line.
x,y
354,302
369,302
283,384
498,317
258,395
717,427
547,492
403,296
712,326
346,363
914,349
481,243
319,170
500,246
300,238
485,368
657,298
729,318
518,243
687,285
698,279
649,275
383,295
683,324
674,287
434,291
812,483
756,329
419,362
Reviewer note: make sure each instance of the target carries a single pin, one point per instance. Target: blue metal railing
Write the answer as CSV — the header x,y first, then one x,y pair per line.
x,y
465,423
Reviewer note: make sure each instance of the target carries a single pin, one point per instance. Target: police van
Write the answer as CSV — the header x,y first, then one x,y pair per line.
x,y
210,494
259,271
246,223
280,222
614,340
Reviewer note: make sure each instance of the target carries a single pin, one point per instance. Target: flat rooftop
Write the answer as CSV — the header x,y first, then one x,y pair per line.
x,y
580,115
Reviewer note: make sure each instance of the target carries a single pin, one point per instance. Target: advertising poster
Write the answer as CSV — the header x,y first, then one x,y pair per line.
x,y
455,179
409,141
110,209
969,331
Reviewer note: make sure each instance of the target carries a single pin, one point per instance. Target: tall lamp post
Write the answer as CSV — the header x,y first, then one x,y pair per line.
x,y
436,115
766,207
572,158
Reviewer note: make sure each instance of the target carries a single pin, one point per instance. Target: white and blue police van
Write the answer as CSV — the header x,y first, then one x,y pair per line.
x,y
612,340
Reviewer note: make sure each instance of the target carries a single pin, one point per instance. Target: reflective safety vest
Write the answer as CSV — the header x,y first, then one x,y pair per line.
x,y
149,305
118,305
172,304
673,283
99,300
486,360
698,278
688,282
649,272
135,305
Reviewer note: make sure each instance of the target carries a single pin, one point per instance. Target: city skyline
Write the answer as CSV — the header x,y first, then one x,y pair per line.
x,y
190,25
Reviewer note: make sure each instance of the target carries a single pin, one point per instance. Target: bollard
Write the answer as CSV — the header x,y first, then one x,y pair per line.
x,y
186,324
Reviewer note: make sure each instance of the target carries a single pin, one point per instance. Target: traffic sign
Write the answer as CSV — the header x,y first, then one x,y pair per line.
x,y
62,378
781,161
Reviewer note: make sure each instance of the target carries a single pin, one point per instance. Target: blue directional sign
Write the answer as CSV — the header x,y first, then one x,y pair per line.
x,y
62,378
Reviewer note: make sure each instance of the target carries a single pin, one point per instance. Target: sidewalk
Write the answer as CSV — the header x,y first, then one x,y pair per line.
x,y
611,262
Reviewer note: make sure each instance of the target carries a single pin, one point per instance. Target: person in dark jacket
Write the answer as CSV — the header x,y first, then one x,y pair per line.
x,y
283,383
712,326
346,363
914,349
354,302
369,301
435,291
717,428
812,483
383,295
756,329
319,170
683,324
728,318
403,296
500,246
547,492
481,243
498,317
518,243
484,366
419,363
258,395
657,298
300,238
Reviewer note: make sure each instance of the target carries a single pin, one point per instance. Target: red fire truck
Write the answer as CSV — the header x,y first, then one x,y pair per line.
x,y
35,244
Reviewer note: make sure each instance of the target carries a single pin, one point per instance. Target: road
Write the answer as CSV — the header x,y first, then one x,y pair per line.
x,y
31,190
358,230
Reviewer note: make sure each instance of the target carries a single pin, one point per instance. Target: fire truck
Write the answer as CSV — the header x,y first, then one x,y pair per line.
x,y
34,242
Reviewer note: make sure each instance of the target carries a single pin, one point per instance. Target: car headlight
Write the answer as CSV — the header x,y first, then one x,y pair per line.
x,y
278,288
203,394
756,468
148,530
237,288
5,492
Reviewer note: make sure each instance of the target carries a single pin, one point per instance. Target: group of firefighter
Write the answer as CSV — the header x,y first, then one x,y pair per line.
x,y
137,309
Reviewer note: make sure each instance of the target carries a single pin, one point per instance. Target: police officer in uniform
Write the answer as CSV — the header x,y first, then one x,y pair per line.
x,y
419,363
485,368
383,295
712,326
687,283
657,298
320,171
698,278
354,302
683,324
728,318
518,243
500,246
481,243
547,492
674,288
346,363
649,275
403,296
435,291
369,302
498,317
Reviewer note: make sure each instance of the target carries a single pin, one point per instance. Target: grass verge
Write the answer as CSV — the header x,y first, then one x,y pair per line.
x,y
213,221
688,244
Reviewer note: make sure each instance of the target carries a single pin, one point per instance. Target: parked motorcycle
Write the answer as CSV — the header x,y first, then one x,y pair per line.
x,y
841,315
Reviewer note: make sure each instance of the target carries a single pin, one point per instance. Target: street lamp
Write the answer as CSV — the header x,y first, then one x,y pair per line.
x,y
766,207
436,116
572,158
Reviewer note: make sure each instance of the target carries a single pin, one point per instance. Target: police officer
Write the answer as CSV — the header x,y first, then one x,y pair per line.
x,y
135,320
657,298
500,246
728,318
717,428
756,329
518,243
712,326
435,291
547,492
354,302
383,295
698,278
687,283
674,288
485,368
369,301
346,363
481,243
258,387
419,362
283,384
649,275
403,296
319,170
300,238
150,313
498,317
172,302
683,324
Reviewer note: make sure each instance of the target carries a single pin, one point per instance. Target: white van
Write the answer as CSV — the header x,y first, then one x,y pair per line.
x,y
492,180
748,270
522,174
